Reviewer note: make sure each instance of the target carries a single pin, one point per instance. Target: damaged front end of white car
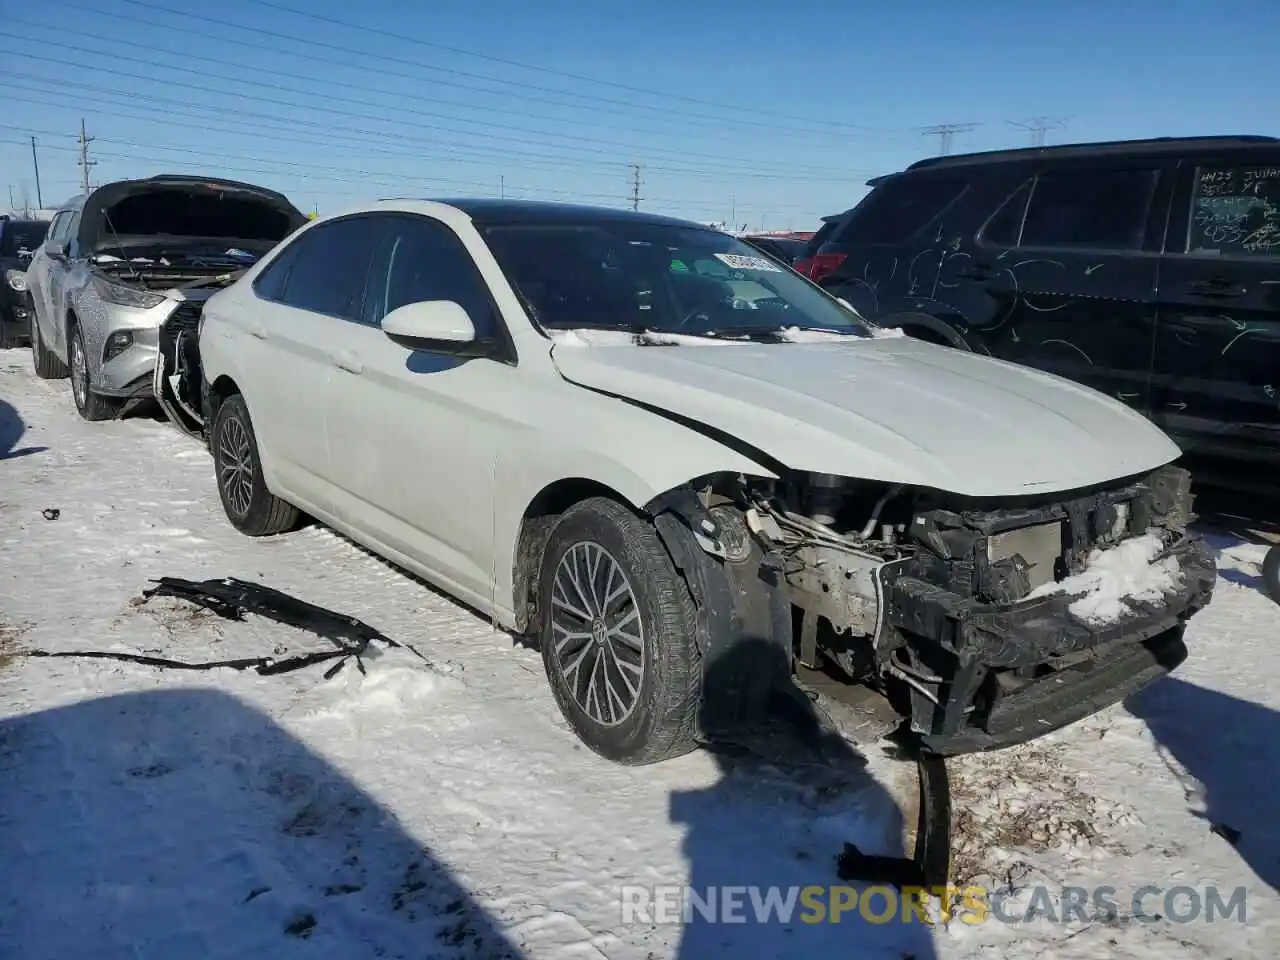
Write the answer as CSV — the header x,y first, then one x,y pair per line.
x,y
986,622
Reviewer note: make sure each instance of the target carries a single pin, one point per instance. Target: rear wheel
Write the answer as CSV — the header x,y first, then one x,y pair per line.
x,y
249,505
92,406
617,636
47,366
921,326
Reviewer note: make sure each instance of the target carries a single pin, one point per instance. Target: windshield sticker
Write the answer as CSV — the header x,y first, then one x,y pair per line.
x,y
739,262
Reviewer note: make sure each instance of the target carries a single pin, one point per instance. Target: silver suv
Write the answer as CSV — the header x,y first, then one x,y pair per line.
x,y
126,268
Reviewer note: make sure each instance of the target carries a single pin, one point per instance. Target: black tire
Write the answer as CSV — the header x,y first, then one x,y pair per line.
x,y
92,406
8,337
46,365
661,723
252,509
1271,573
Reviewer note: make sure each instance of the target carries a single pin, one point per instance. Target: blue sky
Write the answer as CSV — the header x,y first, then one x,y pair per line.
x,y
774,113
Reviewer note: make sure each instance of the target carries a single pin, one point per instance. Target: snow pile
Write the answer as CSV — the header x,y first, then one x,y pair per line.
x,y
1114,578
886,333
799,335
394,683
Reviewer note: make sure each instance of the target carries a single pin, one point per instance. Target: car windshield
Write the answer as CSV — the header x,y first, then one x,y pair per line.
x,y
16,236
638,277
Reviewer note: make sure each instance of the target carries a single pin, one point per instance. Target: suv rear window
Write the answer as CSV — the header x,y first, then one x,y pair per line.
x,y
1097,209
897,210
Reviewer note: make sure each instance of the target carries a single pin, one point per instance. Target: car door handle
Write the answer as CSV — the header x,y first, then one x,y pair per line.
x,y
1215,288
344,360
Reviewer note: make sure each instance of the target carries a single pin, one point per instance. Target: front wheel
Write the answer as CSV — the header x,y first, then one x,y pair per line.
x,y
91,406
617,635
46,365
249,505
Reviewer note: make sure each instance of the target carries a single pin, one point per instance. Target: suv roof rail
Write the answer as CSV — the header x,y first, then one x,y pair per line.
x,y
1101,148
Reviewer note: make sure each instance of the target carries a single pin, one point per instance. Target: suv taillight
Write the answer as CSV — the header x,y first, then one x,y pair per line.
x,y
823,265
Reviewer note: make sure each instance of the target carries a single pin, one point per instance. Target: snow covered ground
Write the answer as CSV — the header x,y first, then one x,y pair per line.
x,y
444,810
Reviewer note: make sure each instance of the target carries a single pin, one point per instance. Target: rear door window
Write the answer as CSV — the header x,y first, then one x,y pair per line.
x,y
1090,209
898,210
1235,212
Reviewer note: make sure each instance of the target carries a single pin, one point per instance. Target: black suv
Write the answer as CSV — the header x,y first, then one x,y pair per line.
x,y
1147,269
18,241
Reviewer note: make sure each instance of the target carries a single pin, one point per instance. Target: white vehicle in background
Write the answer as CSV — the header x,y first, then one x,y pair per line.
x,y
570,419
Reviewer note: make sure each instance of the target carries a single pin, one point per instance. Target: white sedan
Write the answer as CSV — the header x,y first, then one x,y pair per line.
x,y
575,421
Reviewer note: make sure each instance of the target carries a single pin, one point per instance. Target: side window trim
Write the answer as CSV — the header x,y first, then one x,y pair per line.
x,y
1025,188
506,348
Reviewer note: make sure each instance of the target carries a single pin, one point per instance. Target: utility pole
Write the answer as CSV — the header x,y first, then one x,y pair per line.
x,y
36,163
502,187
85,162
945,132
635,186
12,205
1037,127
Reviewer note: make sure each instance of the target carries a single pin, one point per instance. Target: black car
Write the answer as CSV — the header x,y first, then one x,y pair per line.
x,y
785,249
18,241
1147,269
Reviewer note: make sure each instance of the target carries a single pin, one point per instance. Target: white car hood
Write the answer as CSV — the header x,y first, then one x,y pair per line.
x,y
897,410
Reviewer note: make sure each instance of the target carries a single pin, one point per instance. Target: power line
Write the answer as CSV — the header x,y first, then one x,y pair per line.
x,y
297,170
1038,127
594,81
381,58
365,114
945,132
93,93
188,56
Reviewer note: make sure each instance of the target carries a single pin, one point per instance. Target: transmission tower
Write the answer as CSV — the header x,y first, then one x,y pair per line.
x,y
85,162
1038,127
945,132
635,186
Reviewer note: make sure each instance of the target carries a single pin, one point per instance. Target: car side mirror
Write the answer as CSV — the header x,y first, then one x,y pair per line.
x,y
56,251
440,325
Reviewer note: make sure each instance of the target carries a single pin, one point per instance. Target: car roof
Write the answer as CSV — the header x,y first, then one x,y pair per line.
x,y
487,211
1153,147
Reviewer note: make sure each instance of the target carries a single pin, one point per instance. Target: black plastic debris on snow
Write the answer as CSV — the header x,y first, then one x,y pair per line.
x,y
231,599
51,513
929,868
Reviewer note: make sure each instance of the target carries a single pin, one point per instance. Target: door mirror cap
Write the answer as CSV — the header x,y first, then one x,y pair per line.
x,y
56,251
430,323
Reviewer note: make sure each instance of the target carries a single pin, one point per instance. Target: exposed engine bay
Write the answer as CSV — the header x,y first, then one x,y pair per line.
x,y
177,379
971,616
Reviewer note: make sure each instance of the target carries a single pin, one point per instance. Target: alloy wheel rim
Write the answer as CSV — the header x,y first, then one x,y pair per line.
x,y
235,467
79,372
597,633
